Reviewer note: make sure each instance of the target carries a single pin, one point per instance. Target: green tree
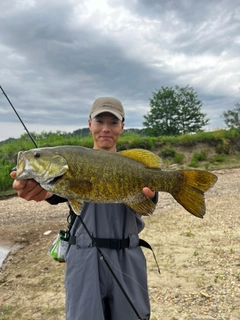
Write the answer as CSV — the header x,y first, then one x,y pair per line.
x,y
232,117
174,111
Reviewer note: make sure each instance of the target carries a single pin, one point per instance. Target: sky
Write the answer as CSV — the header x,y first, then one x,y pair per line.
x,y
57,57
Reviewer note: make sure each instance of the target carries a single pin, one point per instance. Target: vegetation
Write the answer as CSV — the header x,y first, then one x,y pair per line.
x,y
232,117
206,150
174,111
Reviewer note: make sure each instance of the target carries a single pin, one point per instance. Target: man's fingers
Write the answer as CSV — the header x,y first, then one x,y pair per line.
x,y
13,174
148,192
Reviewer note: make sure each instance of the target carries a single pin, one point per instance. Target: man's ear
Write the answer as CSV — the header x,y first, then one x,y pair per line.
x,y
89,124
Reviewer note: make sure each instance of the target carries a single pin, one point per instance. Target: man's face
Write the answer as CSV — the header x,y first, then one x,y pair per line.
x,y
106,129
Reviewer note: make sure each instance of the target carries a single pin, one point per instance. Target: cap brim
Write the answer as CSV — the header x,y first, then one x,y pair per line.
x,y
116,114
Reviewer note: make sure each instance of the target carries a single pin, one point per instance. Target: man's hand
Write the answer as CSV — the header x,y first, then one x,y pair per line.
x,y
29,189
148,192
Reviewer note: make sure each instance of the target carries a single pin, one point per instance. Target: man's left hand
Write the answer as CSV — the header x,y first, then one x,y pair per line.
x,y
148,192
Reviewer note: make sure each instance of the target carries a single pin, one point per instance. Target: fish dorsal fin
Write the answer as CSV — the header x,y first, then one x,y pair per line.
x,y
148,158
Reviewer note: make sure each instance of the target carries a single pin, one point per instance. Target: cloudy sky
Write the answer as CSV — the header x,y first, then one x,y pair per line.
x,y
57,57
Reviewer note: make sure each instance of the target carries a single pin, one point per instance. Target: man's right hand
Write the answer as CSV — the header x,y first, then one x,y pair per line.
x,y
29,189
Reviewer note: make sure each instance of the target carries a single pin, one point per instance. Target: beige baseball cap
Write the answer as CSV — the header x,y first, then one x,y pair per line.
x,y
107,104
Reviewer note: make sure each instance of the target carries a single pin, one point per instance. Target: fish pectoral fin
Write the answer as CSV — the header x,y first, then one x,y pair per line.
x,y
144,206
76,205
148,158
80,186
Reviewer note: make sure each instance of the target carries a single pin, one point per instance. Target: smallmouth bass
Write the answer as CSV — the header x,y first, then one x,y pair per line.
x,y
81,174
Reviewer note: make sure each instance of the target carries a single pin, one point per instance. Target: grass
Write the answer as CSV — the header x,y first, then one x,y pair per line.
x,y
188,234
5,312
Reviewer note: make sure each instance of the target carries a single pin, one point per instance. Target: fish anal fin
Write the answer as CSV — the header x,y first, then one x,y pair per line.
x,y
143,206
76,205
148,158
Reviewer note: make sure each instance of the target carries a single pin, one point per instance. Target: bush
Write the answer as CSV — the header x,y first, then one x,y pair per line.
x,y
223,147
194,163
201,156
167,152
179,157
5,179
219,158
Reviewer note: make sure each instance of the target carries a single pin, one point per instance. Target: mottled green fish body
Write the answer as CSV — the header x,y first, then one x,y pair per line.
x,y
81,174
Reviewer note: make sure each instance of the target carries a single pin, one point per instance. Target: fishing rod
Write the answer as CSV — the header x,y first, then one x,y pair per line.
x,y
18,117
102,257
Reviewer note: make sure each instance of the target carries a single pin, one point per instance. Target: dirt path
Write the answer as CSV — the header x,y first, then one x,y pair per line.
x,y
199,259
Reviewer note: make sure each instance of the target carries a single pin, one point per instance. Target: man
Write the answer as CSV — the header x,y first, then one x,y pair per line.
x,y
91,291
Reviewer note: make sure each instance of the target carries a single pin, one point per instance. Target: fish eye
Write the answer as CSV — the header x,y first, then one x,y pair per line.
x,y
36,155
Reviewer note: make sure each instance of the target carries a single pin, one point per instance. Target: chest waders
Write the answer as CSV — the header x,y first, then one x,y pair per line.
x,y
112,244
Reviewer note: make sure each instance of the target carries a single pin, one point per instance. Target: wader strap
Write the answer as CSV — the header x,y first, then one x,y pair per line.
x,y
117,244
145,244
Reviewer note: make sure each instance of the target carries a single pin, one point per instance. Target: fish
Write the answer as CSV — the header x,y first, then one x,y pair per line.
x,y
82,174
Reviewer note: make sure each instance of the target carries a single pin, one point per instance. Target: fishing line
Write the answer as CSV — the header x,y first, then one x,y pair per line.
x,y
18,117
125,274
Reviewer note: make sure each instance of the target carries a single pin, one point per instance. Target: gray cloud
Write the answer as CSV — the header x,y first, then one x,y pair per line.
x,y
57,57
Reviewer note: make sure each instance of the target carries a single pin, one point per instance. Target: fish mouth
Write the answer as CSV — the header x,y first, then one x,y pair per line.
x,y
55,180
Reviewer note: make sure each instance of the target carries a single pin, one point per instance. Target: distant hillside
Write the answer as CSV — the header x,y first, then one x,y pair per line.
x,y
7,140
84,132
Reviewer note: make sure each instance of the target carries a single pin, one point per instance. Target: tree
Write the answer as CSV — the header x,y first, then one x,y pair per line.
x,y
232,117
174,111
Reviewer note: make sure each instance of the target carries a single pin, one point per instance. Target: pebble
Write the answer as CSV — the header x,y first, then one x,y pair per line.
x,y
47,232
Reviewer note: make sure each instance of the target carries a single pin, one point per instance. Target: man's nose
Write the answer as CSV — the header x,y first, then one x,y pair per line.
x,y
106,127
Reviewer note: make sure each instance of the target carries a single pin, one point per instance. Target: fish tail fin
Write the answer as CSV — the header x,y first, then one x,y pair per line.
x,y
190,194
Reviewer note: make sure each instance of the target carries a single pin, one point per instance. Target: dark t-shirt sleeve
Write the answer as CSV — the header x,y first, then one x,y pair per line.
x,y
155,198
56,199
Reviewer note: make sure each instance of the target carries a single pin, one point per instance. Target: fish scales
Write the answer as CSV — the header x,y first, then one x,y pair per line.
x,y
81,174
108,173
